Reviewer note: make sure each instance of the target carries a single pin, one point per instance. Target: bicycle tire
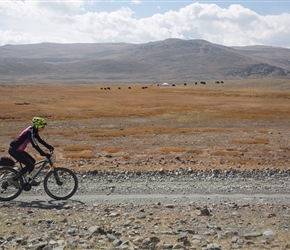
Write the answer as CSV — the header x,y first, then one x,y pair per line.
x,y
67,186
7,191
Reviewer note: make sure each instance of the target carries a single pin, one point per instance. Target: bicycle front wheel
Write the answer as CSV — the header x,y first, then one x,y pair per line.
x,y
60,183
8,192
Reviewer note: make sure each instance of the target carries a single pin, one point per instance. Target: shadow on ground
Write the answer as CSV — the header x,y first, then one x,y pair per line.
x,y
43,204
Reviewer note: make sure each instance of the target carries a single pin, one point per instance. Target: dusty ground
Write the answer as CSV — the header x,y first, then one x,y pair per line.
x,y
157,226
237,125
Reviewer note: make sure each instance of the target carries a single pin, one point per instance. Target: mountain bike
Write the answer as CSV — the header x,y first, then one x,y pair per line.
x,y
59,183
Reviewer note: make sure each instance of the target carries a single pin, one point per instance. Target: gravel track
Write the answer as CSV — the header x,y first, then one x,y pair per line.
x,y
179,186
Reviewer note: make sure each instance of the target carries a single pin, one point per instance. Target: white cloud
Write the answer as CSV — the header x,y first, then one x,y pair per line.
x,y
62,6
135,1
68,22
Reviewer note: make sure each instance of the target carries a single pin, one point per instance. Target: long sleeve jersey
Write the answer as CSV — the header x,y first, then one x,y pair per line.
x,y
28,135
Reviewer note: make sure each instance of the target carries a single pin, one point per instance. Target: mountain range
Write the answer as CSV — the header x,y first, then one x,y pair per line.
x,y
170,60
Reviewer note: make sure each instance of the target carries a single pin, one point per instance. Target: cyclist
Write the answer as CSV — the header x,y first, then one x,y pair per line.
x,y
18,145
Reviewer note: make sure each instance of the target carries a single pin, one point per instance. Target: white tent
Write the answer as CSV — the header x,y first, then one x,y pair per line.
x,y
165,84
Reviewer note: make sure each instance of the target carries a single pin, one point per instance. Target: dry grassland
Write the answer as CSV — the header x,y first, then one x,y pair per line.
x,y
239,124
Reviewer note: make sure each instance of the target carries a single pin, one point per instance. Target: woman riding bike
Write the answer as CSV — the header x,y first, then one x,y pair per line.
x,y
18,146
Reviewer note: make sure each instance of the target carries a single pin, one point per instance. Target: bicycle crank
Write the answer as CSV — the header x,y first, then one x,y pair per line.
x,y
26,186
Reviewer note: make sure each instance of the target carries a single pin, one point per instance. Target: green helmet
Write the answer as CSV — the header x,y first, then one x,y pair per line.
x,y
38,122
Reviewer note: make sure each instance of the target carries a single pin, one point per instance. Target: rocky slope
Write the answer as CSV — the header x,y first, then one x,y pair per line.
x,y
171,60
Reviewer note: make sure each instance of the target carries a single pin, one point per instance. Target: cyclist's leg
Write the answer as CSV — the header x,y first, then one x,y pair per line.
x,y
31,159
30,166
24,158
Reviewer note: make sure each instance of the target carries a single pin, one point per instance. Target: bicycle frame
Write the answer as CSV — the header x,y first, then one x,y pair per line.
x,y
59,183
38,171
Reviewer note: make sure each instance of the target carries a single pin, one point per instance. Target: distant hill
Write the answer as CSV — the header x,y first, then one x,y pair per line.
x,y
171,60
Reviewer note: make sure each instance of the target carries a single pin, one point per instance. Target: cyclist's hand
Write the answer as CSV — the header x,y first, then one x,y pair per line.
x,y
51,148
42,153
48,156
45,155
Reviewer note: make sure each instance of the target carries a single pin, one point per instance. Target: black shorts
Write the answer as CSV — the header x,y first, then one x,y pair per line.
x,y
24,158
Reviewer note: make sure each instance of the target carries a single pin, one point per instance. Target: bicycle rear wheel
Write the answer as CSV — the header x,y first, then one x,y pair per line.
x,y
60,183
8,192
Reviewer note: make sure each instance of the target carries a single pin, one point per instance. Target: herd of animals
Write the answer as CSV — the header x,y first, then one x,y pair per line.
x,y
185,84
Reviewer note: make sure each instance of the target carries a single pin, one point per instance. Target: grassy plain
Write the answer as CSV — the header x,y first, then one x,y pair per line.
x,y
241,123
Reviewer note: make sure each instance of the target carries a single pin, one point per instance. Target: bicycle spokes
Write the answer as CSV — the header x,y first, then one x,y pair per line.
x,y
8,191
5,185
60,183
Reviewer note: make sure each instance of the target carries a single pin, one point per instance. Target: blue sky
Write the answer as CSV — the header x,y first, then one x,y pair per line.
x,y
147,8
229,23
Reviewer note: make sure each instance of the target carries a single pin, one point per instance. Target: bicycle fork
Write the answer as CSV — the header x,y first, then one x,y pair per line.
x,y
56,177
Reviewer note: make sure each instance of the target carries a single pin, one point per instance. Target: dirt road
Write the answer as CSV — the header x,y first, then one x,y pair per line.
x,y
200,187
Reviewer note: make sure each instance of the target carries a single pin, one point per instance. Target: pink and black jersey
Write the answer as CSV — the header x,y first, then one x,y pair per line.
x,y
27,136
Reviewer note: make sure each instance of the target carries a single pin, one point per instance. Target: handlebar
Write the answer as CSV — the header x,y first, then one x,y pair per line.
x,y
49,155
